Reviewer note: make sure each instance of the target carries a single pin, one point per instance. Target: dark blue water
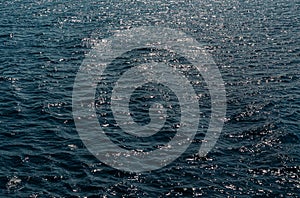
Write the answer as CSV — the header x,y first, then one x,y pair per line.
x,y
255,44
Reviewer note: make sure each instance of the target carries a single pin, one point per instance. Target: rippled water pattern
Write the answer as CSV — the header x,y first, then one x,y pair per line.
x,y
256,45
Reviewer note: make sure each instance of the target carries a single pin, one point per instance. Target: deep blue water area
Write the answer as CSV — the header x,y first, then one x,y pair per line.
x,y
256,46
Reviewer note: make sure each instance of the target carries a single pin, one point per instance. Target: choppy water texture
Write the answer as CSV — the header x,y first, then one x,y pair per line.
x,y
256,45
